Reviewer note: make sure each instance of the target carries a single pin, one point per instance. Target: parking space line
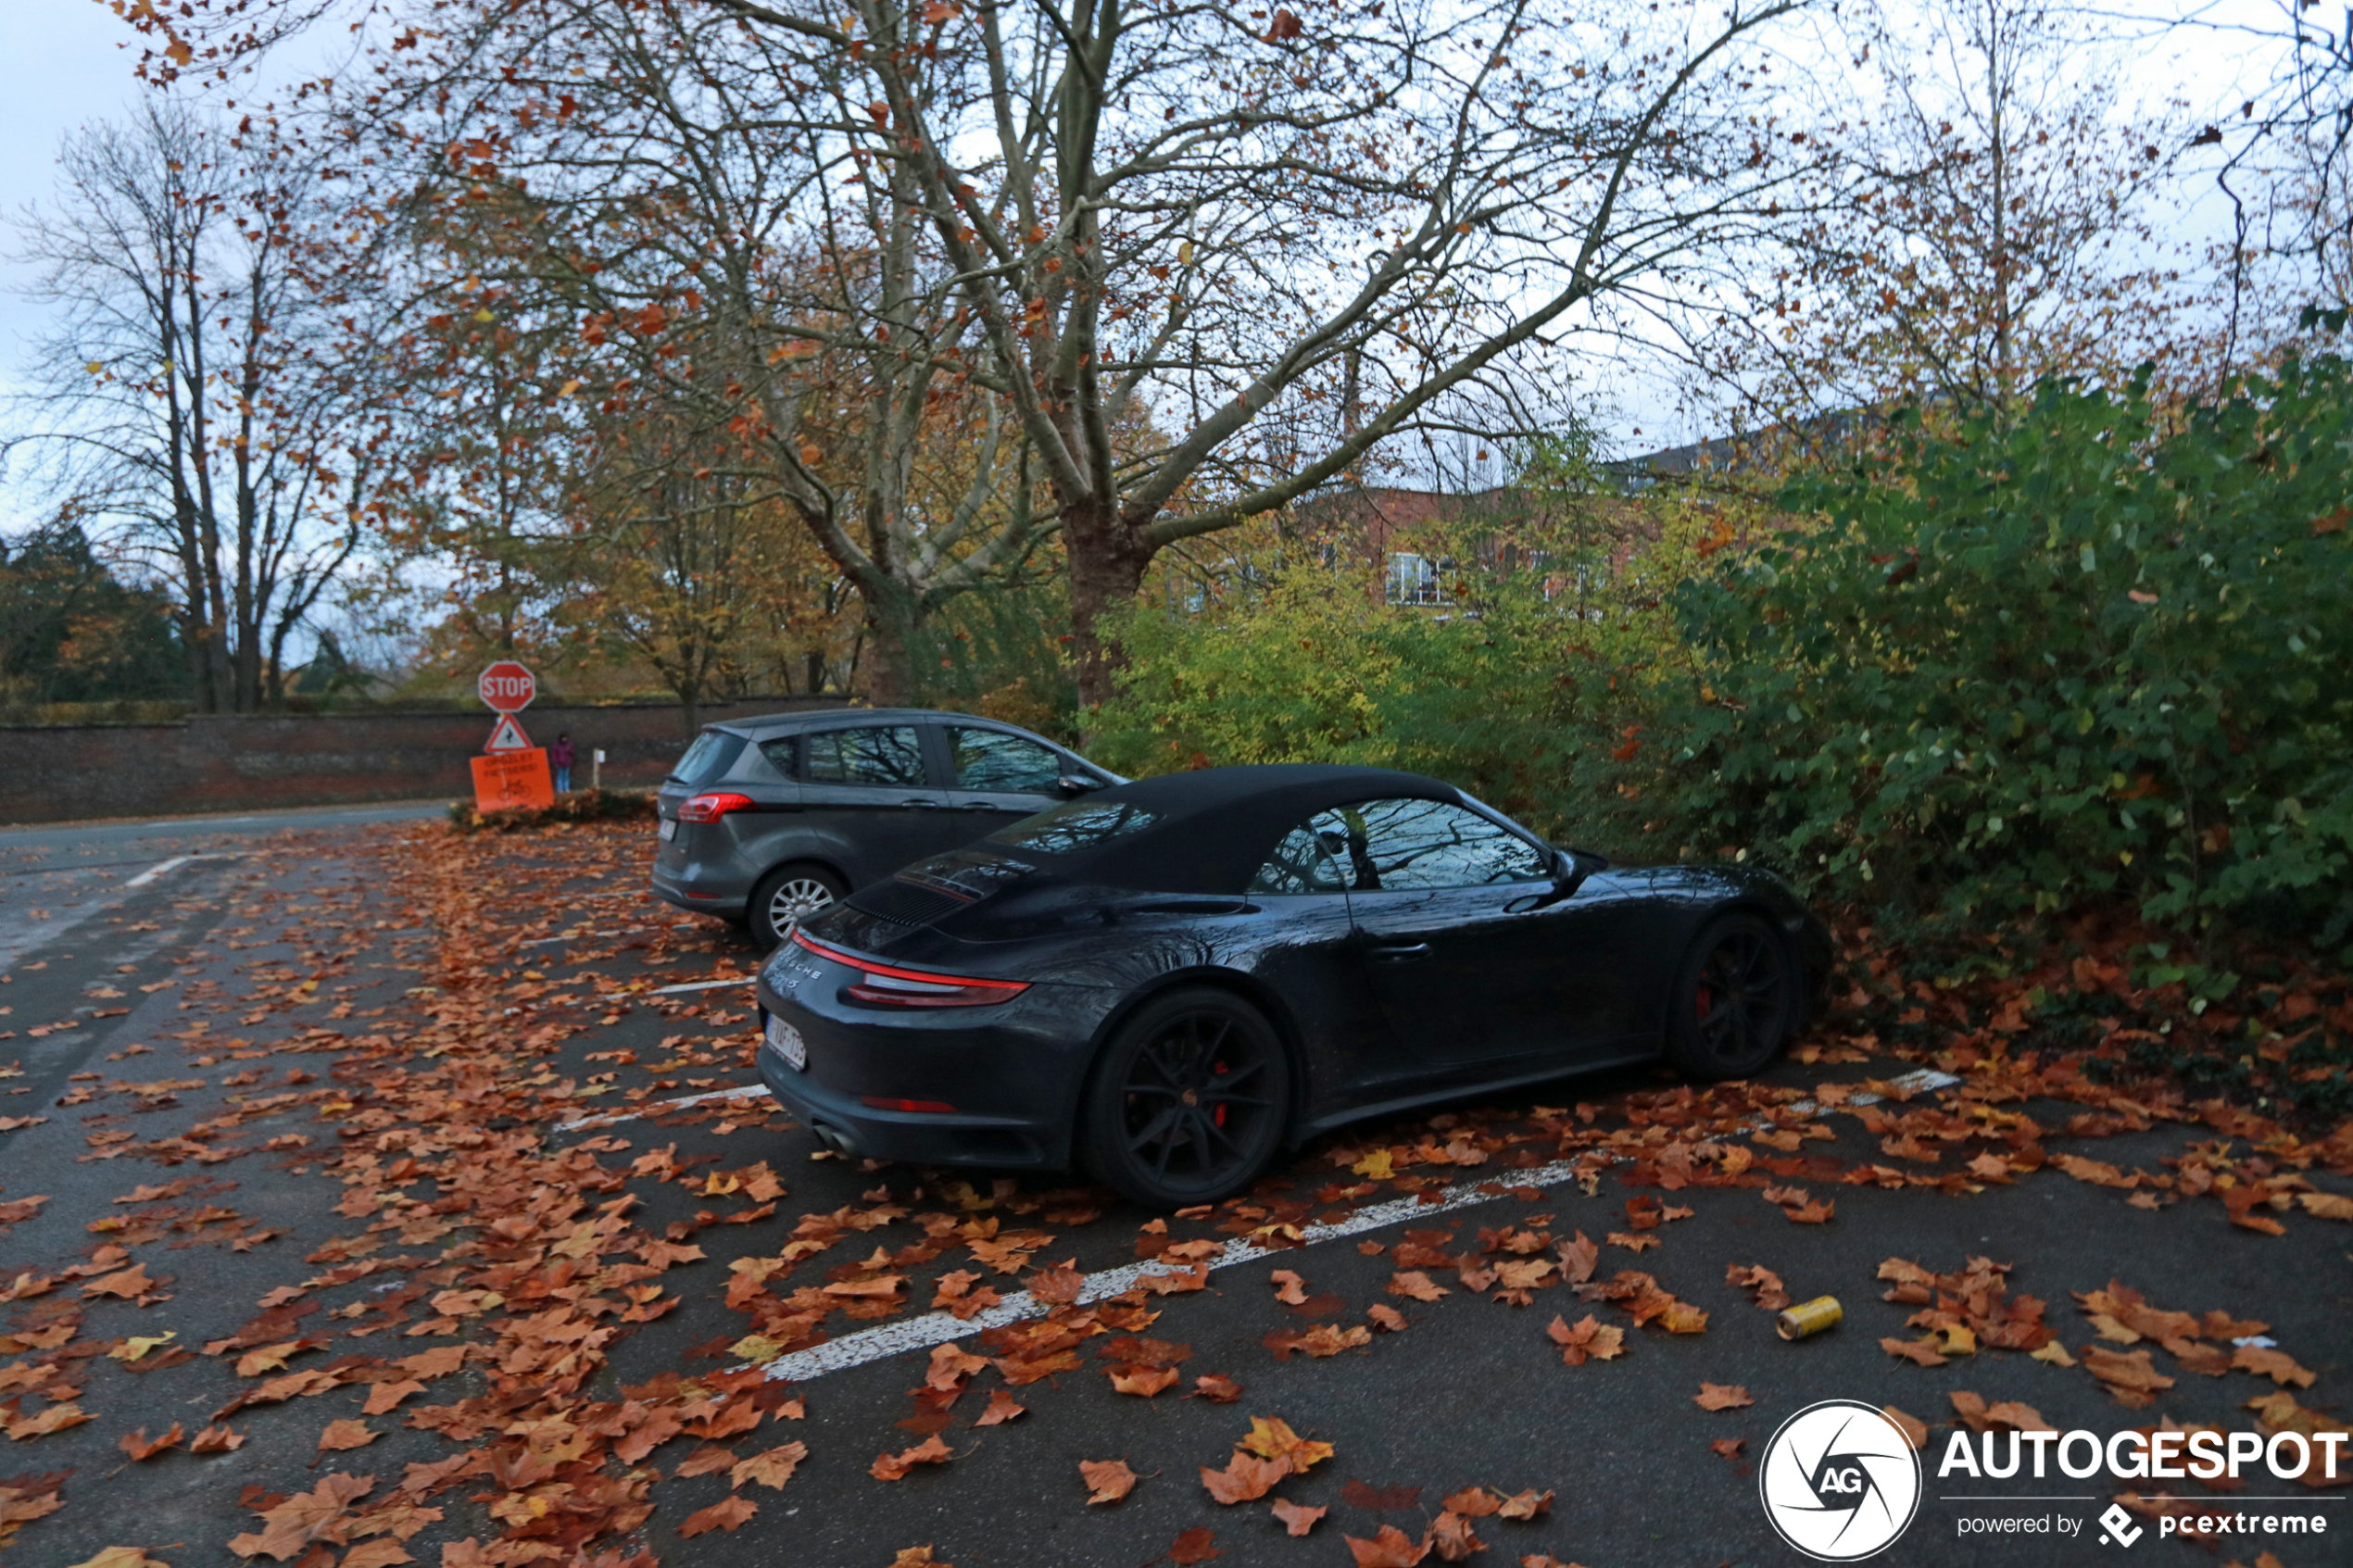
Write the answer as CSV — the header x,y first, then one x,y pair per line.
x,y
614,1118
939,1328
701,986
174,864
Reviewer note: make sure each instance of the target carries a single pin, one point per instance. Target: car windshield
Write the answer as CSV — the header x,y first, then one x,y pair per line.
x,y
1072,826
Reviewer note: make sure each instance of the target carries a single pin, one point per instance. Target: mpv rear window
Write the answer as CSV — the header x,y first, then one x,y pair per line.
x,y
713,753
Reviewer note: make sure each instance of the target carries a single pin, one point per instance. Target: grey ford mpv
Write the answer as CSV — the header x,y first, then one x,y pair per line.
x,y
764,822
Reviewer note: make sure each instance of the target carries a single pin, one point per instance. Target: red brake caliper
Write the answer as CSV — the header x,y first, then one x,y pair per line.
x,y
1218,1069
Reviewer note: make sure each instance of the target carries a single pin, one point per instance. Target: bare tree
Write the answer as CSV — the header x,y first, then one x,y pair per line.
x,y
179,405
667,187
1164,222
1988,222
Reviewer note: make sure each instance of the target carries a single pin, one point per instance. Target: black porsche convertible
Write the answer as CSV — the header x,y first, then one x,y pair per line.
x,y
1169,980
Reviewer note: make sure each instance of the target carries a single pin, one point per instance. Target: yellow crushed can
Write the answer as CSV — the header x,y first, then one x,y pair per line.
x,y
1809,1318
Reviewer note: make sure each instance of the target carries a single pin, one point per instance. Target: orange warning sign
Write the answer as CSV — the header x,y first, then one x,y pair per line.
x,y
513,778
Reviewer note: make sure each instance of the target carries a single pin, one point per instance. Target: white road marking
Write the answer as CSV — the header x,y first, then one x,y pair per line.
x,y
701,986
939,1328
174,864
614,1118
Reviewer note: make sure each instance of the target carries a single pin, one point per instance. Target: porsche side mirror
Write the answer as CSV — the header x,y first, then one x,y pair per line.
x,y
1572,866
1071,785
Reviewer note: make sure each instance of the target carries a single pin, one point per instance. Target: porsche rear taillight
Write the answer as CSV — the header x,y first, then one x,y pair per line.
x,y
710,808
887,985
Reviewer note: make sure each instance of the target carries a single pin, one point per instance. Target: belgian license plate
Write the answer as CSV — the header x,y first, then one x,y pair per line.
x,y
668,828
786,1041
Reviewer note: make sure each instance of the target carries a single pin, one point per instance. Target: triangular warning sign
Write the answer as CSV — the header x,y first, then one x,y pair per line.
x,y
507,737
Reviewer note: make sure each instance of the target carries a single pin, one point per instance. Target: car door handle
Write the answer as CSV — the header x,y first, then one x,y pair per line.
x,y
922,805
1400,952
978,806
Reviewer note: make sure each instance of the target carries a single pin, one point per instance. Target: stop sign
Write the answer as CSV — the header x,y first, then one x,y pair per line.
x,y
507,686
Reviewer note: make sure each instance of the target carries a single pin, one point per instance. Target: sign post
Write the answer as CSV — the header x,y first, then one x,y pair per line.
x,y
514,773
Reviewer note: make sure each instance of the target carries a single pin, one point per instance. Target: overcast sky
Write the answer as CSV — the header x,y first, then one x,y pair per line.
x,y
69,61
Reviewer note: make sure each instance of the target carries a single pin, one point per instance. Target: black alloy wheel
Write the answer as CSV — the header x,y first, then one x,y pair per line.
x,y
785,898
1190,1101
1735,1000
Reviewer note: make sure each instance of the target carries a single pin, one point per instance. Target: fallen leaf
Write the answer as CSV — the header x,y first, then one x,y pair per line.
x,y
1591,1339
1385,1318
1297,1518
135,1444
1392,1548
342,1434
1144,1381
1763,1284
136,1346
1194,1546
1271,1438
728,1513
57,1417
1721,1396
1107,1480
771,1469
1416,1283
2277,1366
2054,1353
708,1460
2127,1375
893,1467
1529,1504
1217,1388
1922,1351
1244,1479
216,1440
1290,1289
1728,1447
1002,1407
1915,1430
1474,1502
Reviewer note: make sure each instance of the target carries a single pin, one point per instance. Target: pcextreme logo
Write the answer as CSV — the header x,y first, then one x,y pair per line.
x,y
1839,1481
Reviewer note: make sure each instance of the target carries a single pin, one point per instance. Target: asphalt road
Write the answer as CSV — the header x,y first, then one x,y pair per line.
x,y
1470,1393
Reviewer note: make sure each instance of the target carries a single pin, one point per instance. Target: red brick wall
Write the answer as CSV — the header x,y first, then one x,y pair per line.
x,y
66,772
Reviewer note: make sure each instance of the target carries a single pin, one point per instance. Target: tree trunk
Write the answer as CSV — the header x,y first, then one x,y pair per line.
x,y
893,621
1107,561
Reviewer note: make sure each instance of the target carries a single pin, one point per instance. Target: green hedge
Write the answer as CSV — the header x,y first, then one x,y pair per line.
x,y
2079,658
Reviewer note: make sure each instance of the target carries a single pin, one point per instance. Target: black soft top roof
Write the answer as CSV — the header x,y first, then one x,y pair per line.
x,y
1215,826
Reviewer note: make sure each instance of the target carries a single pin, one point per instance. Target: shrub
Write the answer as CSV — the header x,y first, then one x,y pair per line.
x,y
2078,658
580,806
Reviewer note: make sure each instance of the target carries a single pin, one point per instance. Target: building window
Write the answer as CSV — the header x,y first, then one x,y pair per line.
x,y
1415,580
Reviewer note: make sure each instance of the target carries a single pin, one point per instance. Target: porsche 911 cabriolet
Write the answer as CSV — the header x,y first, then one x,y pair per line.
x,y
1168,982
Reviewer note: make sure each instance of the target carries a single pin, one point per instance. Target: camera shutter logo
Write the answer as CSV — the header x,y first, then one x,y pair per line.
x,y
1839,1481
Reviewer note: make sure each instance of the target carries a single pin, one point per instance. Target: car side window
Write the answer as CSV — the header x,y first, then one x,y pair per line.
x,y
991,760
782,752
1301,861
881,755
1418,844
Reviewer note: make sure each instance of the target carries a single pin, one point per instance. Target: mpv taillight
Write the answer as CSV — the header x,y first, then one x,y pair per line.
x,y
886,986
710,808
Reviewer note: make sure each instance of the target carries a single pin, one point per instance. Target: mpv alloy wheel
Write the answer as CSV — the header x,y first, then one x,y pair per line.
x,y
1189,1100
787,896
1735,1000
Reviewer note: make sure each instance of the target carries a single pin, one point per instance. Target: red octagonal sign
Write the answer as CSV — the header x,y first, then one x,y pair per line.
x,y
507,686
